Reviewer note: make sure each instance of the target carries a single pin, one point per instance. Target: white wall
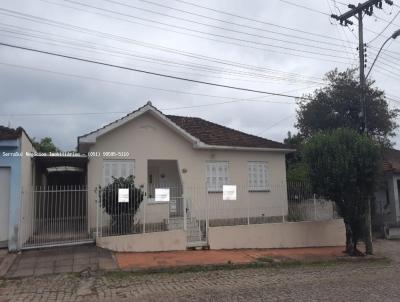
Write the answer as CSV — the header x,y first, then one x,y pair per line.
x,y
279,235
27,210
147,138
147,242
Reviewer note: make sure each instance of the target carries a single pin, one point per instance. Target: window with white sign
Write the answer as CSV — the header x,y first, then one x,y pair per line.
x,y
117,168
229,192
258,176
217,175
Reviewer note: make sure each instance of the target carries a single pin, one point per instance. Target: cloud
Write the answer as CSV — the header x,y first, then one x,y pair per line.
x,y
25,91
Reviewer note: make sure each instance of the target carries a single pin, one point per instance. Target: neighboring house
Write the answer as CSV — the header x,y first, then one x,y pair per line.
x,y
15,177
193,157
387,199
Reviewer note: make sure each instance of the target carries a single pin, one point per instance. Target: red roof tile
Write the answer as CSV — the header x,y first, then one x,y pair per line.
x,y
217,135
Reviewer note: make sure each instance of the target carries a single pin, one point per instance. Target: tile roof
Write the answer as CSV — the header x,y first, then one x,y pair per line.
x,y
207,132
10,133
218,135
391,160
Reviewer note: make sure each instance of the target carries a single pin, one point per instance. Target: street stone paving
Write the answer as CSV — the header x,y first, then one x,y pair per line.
x,y
358,281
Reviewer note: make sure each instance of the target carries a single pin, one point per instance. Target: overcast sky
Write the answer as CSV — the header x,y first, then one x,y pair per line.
x,y
289,53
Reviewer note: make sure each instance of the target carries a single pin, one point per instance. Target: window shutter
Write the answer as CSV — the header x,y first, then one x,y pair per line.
x,y
217,175
257,178
117,168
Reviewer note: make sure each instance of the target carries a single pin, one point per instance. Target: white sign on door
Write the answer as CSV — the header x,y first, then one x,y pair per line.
x,y
123,195
229,192
162,195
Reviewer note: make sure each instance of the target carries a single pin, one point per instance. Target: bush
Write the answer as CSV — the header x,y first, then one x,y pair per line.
x,y
122,213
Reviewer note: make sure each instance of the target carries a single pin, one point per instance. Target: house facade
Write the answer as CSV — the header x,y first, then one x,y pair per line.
x,y
192,157
197,184
15,179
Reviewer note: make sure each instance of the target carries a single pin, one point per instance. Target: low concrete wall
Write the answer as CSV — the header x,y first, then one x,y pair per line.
x,y
278,235
147,242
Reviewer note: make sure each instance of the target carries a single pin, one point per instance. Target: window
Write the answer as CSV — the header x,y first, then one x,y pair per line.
x,y
258,176
117,168
217,175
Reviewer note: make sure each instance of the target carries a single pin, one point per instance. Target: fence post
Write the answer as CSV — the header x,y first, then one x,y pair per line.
x,y
21,223
283,201
248,205
315,207
184,211
97,212
144,213
207,216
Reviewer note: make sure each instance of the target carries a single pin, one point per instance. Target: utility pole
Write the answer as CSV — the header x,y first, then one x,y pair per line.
x,y
358,11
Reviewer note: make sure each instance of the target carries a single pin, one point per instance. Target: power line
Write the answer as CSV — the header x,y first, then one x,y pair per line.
x,y
206,33
124,39
232,99
384,29
324,13
150,72
275,124
377,17
255,20
222,21
305,7
93,49
346,46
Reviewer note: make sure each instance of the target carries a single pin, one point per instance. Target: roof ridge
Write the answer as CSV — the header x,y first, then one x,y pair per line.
x,y
205,131
226,127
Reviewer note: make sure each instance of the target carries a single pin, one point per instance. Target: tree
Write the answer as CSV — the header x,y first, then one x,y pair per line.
x,y
297,169
337,105
122,213
45,145
344,167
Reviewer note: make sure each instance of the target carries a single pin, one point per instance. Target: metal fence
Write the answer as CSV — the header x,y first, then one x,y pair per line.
x,y
195,209
64,215
139,213
54,215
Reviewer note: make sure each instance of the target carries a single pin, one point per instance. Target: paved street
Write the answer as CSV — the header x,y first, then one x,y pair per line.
x,y
342,282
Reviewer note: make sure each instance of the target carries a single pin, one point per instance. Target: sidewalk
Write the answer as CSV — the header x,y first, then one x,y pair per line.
x,y
61,260
143,261
6,260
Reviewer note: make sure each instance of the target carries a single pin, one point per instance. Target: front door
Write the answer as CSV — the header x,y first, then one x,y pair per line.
x,y
4,204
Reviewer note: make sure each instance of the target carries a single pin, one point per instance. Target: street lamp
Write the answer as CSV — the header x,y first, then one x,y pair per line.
x,y
393,36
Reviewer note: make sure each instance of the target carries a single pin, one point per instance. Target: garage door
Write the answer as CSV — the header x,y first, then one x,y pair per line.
x,y
4,204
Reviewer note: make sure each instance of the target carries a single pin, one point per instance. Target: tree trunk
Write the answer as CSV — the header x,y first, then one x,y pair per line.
x,y
368,230
350,245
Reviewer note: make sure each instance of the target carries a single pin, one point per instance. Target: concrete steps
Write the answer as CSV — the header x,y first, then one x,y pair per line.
x,y
194,233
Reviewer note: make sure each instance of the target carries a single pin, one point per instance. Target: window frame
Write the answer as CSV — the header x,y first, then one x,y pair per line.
x,y
252,187
227,176
118,161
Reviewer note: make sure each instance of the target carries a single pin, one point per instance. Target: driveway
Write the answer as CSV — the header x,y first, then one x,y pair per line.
x,y
60,260
351,281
